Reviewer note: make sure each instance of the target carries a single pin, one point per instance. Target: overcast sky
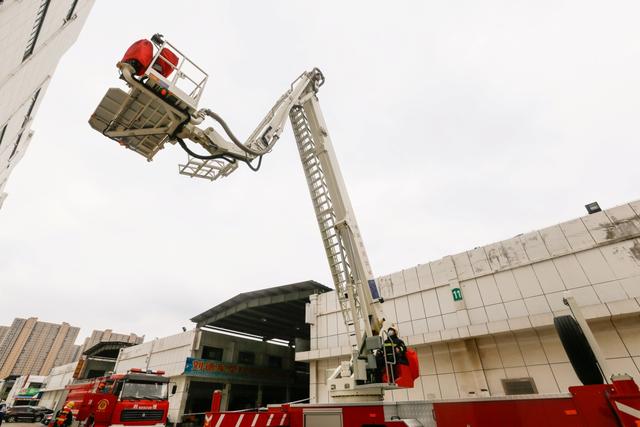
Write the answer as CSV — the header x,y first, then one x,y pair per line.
x,y
457,124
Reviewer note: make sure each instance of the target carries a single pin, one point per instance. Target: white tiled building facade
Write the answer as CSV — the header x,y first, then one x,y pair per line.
x,y
503,326
54,391
33,36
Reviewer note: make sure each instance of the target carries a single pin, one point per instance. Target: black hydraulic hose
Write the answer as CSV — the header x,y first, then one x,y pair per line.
x,y
235,140
257,168
200,156
218,156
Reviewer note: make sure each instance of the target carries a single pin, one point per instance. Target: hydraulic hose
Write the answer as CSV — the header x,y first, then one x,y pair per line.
x,y
235,140
200,156
127,74
231,159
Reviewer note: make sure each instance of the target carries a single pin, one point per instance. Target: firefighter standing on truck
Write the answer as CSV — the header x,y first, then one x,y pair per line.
x,y
394,352
395,349
64,417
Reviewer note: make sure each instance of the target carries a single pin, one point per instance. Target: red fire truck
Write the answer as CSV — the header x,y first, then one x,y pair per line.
x,y
599,405
161,107
137,398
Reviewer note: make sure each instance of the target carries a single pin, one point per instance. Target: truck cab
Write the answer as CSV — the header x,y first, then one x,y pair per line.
x,y
137,398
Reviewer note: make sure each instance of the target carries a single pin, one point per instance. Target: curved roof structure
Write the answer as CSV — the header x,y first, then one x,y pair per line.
x,y
271,313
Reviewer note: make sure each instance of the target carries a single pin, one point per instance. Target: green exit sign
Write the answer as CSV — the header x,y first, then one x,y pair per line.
x,y
457,294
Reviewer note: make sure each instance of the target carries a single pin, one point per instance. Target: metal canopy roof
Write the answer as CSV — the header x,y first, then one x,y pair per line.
x,y
107,349
269,313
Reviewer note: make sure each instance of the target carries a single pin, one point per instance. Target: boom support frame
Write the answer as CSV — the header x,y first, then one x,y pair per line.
x,y
144,121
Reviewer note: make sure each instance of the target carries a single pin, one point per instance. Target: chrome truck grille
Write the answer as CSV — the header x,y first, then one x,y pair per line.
x,y
141,415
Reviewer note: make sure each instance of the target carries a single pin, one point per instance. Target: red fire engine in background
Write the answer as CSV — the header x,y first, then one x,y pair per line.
x,y
137,398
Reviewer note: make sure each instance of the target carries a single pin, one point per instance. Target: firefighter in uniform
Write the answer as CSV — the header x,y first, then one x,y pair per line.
x,y
393,352
64,417
395,349
3,410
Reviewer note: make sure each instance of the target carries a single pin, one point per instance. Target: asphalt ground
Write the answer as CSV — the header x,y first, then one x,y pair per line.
x,y
6,424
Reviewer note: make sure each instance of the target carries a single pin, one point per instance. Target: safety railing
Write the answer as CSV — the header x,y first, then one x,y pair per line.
x,y
186,76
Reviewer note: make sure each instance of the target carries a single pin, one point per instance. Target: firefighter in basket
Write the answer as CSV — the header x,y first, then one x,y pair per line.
x,y
395,350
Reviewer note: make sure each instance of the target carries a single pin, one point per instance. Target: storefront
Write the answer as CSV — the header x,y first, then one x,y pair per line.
x,y
247,386
244,347
26,391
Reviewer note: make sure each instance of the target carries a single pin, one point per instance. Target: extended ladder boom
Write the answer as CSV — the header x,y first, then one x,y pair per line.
x,y
350,269
348,261
157,110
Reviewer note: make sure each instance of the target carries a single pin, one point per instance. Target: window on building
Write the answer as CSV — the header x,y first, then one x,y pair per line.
x,y
246,357
25,121
274,362
72,9
513,386
15,145
32,104
37,26
212,353
2,132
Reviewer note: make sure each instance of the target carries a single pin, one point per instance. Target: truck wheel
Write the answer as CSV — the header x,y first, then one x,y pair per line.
x,y
11,419
578,350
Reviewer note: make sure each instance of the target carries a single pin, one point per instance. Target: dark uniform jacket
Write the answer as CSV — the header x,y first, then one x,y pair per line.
x,y
64,418
390,345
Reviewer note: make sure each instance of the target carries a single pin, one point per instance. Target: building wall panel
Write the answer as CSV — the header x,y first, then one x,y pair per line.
x,y
511,292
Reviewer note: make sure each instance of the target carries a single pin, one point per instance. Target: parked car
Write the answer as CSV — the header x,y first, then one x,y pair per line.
x,y
26,413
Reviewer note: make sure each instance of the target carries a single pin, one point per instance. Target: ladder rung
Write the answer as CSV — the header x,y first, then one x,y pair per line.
x,y
313,170
314,198
312,158
317,183
323,207
309,157
315,177
329,238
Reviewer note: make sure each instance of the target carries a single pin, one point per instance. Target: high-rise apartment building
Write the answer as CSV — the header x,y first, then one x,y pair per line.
x,y
30,347
33,36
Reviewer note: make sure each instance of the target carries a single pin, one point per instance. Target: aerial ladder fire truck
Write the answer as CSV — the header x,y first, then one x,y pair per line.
x,y
161,107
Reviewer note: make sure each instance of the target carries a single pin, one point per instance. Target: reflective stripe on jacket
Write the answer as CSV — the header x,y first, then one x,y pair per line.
x,y
64,415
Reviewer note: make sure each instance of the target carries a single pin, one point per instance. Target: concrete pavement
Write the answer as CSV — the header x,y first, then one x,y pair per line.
x,y
6,424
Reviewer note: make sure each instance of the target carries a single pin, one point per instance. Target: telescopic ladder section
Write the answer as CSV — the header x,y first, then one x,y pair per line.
x,y
341,239
327,220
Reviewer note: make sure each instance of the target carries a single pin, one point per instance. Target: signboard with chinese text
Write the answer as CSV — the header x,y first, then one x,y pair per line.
x,y
231,372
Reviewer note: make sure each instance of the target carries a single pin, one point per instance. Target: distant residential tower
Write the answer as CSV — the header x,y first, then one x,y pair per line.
x,y
30,347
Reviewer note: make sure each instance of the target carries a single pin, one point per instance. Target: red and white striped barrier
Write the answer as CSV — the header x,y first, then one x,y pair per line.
x,y
248,419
